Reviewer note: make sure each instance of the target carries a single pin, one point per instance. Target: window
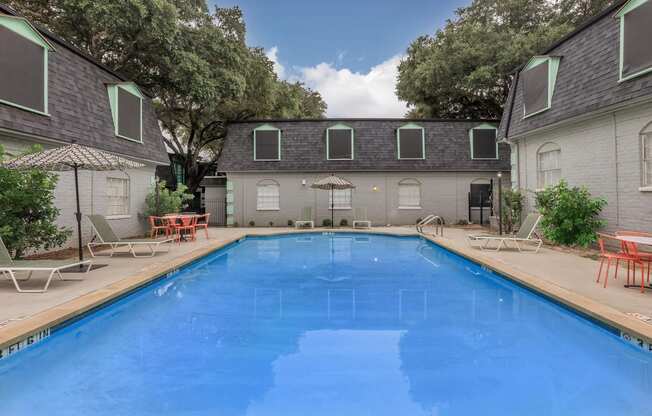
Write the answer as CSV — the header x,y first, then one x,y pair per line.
x,y
539,78
514,165
646,156
411,142
23,65
409,194
339,143
267,143
483,142
127,110
635,34
268,195
549,165
339,199
179,173
480,193
117,195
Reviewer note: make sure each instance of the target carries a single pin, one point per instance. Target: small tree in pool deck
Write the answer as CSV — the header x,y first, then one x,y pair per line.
x,y
27,212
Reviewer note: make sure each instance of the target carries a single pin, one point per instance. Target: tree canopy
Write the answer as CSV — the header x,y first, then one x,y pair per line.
x,y
464,70
194,62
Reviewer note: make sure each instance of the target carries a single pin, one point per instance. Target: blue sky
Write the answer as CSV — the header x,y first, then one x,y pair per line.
x,y
347,50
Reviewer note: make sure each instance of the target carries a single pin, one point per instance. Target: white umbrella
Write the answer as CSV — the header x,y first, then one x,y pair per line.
x,y
73,157
331,183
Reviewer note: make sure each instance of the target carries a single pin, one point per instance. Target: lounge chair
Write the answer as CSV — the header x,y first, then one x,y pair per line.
x,y
107,237
524,235
360,218
306,218
9,268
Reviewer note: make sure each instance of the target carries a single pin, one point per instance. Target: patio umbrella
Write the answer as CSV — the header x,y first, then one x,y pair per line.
x,y
330,183
73,157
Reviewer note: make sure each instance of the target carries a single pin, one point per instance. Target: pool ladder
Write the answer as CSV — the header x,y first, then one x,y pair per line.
x,y
436,220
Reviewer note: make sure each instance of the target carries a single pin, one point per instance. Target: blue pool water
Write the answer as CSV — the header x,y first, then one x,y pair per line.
x,y
330,325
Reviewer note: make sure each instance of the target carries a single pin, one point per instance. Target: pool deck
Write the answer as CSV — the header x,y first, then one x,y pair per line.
x,y
566,277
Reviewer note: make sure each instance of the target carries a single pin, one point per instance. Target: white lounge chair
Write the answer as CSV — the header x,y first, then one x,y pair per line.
x,y
360,219
108,237
523,236
9,268
306,219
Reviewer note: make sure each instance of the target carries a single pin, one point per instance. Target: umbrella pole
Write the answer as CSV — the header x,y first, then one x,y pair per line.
x,y
78,215
332,209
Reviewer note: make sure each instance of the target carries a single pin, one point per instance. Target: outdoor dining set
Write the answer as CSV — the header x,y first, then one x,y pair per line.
x,y
630,252
180,227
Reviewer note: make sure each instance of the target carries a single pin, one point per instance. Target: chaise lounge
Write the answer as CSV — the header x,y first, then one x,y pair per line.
x,y
523,236
108,237
360,220
306,219
9,268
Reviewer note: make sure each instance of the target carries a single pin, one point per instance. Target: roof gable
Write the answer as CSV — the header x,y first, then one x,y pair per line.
x,y
23,27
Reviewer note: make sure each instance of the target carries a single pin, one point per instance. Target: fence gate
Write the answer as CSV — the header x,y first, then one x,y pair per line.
x,y
215,204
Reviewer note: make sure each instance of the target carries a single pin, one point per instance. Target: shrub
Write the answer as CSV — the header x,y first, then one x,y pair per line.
x,y
290,223
512,208
236,225
570,215
160,200
252,223
344,222
271,223
28,215
326,222
419,220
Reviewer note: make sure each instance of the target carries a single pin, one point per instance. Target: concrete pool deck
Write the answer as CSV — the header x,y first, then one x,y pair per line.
x,y
565,277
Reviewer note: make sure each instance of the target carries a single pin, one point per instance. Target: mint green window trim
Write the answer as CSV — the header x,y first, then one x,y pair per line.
x,y
553,69
24,28
267,127
484,126
340,127
627,7
131,88
411,126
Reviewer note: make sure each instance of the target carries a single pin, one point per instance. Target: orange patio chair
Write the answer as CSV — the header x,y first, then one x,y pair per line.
x,y
610,256
202,222
645,256
158,224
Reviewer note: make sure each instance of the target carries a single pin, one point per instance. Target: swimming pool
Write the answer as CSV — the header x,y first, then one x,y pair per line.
x,y
330,324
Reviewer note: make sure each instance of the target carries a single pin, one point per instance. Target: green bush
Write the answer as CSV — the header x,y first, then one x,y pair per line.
x,y
326,222
290,223
344,222
252,223
570,215
28,215
165,201
512,208
271,223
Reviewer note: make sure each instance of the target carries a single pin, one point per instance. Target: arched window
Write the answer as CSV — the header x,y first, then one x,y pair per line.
x,y
267,195
548,165
646,156
409,194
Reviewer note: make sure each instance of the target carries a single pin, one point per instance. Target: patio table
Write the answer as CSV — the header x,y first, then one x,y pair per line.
x,y
176,218
642,240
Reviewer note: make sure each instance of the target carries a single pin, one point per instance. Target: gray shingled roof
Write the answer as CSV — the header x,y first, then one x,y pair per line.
x,y
587,80
303,147
79,107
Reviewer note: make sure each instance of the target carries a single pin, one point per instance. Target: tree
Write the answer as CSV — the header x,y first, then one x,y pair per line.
x,y
464,70
28,217
195,63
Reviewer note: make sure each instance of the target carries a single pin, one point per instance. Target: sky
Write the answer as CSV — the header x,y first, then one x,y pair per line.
x,y
346,50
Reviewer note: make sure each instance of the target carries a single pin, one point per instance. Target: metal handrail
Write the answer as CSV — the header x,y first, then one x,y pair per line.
x,y
438,223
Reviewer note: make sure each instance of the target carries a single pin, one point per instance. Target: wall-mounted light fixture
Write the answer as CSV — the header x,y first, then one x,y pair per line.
x,y
374,188
303,182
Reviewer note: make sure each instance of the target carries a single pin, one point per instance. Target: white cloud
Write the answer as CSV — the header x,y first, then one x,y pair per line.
x,y
272,55
355,94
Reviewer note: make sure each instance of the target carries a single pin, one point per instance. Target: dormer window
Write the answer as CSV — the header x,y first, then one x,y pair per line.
x,y
635,34
539,77
483,142
267,143
127,110
411,142
339,142
23,65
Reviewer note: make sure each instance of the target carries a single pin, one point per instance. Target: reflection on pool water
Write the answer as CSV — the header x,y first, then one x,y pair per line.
x,y
330,325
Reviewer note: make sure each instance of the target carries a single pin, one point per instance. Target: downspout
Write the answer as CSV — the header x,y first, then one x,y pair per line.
x,y
616,170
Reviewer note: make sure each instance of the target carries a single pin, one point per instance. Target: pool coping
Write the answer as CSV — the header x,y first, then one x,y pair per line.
x,y
21,334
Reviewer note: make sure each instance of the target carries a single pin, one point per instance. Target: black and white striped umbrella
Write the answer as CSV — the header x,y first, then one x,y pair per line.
x,y
73,157
330,183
